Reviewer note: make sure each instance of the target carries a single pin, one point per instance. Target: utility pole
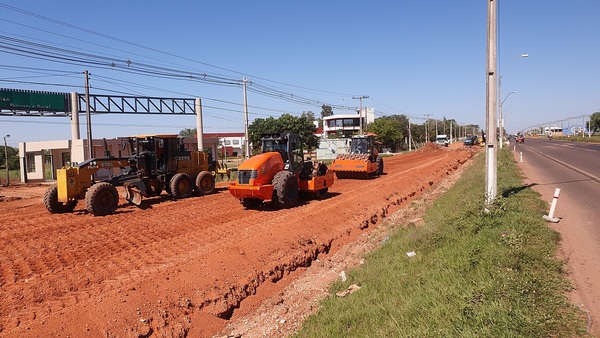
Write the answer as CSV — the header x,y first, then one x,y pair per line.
x,y
409,135
360,111
6,160
88,117
247,143
491,179
427,127
436,131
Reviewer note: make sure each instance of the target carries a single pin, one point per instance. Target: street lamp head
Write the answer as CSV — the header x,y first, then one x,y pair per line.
x,y
7,135
525,55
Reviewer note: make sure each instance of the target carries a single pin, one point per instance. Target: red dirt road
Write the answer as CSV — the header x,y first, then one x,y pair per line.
x,y
181,267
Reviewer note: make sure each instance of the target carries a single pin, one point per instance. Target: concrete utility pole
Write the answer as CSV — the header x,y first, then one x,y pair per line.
x,y
6,160
199,126
360,111
88,117
409,135
247,142
427,127
491,180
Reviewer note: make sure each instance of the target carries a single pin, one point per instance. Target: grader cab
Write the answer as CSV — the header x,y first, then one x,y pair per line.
x,y
157,163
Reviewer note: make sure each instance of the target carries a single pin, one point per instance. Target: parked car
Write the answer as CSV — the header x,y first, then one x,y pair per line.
x,y
468,141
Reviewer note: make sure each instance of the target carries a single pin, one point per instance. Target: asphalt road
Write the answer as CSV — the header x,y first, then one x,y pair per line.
x,y
573,167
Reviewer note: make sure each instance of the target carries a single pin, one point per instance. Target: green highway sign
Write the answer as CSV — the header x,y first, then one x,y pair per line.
x,y
15,99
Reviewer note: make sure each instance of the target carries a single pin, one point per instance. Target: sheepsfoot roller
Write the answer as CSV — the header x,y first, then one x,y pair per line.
x,y
279,174
362,162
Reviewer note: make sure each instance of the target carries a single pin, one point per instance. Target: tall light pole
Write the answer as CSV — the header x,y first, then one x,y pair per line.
x,y
6,160
501,119
360,111
524,55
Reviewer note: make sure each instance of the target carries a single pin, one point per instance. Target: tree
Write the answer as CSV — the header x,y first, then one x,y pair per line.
x,y
390,130
285,123
187,132
326,111
595,122
13,158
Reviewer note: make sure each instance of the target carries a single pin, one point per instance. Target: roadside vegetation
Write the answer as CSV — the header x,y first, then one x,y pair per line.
x,y
474,273
593,139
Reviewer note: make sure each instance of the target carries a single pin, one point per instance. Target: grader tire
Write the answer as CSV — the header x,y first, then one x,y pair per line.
x,y
205,183
181,186
285,189
53,205
102,199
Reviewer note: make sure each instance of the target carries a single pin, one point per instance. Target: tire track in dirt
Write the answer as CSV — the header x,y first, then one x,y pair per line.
x,y
206,250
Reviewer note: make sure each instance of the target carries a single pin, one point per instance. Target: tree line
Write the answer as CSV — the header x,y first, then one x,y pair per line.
x,y
392,131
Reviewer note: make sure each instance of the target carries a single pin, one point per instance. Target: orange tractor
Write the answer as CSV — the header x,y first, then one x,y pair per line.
x,y
279,174
362,162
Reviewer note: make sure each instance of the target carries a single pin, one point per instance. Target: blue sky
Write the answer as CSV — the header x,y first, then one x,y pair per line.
x,y
409,57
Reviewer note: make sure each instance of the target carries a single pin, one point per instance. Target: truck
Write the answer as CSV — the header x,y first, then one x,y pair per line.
x,y
442,140
279,174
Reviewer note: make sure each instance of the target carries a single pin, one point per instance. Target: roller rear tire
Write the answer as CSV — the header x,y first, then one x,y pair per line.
x,y
285,189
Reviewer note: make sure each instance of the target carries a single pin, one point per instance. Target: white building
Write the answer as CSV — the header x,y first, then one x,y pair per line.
x,y
346,125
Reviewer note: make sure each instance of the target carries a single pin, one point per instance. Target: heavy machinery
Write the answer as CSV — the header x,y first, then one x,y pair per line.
x,y
157,162
279,174
362,162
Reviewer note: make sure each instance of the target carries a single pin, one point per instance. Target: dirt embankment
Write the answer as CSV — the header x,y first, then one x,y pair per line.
x,y
185,267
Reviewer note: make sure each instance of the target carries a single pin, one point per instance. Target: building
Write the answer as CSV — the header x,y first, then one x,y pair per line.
x,y
553,131
230,144
346,125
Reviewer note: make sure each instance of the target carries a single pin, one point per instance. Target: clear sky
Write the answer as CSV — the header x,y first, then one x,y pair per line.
x,y
409,57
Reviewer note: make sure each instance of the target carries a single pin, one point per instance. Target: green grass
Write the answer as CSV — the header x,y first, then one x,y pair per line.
x,y
475,273
593,139
13,175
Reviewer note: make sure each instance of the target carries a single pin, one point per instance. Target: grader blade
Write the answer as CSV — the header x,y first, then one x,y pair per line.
x,y
134,191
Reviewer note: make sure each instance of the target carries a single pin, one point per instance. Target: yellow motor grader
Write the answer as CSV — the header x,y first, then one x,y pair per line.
x,y
158,163
363,160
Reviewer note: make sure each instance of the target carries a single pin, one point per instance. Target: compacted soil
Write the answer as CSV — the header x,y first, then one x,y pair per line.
x,y
196,267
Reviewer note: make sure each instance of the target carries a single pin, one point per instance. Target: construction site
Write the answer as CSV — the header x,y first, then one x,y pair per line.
x,y
194,266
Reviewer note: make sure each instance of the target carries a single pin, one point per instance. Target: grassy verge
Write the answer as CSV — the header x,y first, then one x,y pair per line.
x,y
475,273
593,139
